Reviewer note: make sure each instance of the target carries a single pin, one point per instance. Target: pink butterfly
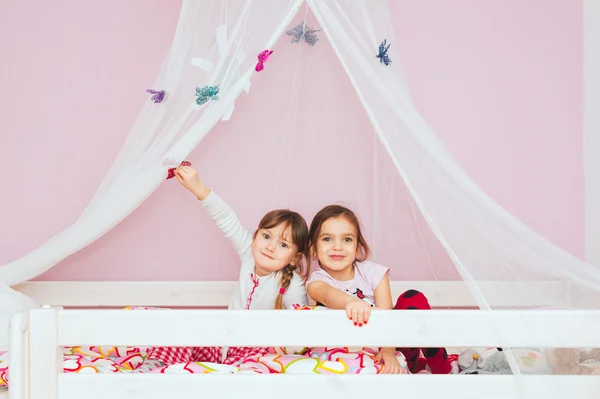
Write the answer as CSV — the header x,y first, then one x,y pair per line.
x,y
262,58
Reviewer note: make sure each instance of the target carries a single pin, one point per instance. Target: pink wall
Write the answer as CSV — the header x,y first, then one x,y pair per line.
x,y
501,84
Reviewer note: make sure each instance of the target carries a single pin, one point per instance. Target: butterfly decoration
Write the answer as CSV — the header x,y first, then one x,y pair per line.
x,y
158,96
171,171
383,56
262,58
301,31
207,93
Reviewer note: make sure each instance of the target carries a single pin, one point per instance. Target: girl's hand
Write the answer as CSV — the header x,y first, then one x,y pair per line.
x,y
358,311
188,177
387,357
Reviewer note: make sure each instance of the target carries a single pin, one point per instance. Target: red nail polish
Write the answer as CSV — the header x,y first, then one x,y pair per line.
x,y
365,322
360,325
355,323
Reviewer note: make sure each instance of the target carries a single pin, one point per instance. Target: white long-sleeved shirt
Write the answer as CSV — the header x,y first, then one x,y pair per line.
x,y
253,292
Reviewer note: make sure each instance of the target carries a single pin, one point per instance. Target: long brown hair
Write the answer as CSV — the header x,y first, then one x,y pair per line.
x,y
299,230
332,212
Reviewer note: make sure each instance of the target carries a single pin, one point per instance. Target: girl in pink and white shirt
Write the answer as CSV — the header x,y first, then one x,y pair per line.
x,y
269,277
347,280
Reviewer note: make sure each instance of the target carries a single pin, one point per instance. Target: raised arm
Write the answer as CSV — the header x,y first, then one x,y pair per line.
x,y
217,209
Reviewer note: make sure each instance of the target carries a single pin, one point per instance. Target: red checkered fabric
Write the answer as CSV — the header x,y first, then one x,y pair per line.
x,y
180,354
185,354
236,355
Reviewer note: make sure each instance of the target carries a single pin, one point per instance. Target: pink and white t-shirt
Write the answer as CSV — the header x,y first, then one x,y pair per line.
x,y
367,276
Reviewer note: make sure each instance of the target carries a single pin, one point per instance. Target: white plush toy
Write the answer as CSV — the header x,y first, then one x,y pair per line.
x,y
529,361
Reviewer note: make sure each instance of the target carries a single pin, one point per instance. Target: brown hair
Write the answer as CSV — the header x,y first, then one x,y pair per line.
x,y
332,212
299,229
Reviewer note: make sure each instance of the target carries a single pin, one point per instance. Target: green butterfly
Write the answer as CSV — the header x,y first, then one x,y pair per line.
x,y
207,93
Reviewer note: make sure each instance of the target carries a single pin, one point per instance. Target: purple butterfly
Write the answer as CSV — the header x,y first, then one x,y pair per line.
x,y
158,96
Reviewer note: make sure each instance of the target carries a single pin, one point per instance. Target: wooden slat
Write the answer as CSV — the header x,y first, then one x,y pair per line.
x,y
450,328
47,361
214,386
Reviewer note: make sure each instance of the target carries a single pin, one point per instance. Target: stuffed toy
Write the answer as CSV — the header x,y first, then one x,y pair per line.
x,y
472,362
572,361
529,361
590,361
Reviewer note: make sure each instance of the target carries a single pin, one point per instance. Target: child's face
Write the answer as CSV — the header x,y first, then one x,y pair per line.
x,y
273,249
336,246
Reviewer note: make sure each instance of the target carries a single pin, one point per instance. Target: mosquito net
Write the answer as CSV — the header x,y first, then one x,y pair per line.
x,y
335,124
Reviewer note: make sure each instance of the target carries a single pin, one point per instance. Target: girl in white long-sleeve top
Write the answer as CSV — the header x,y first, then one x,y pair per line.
x,y
270,276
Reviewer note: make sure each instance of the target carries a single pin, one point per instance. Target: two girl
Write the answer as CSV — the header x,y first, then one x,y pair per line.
x,y
269,277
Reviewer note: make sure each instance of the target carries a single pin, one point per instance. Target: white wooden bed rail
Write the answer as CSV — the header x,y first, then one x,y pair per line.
x,y
51,328
213,386
453,328
452,294
45,330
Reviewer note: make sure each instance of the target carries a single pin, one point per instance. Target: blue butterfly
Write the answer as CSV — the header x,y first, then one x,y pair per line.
x,y
303,31
206,93
383,56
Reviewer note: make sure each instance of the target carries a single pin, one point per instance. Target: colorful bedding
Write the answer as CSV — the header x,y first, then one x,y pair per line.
x,y
92,359
311,361
3,368
101,359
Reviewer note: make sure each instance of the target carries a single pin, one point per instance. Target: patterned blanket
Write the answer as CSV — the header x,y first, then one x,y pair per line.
x,y
115,359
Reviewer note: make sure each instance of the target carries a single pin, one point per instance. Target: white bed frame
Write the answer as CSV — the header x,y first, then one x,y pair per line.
x,y
37,336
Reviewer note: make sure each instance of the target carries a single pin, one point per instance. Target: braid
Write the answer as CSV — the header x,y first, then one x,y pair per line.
x,y
286,277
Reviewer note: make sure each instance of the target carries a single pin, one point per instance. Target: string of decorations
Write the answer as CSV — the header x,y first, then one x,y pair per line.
x,y
298,33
